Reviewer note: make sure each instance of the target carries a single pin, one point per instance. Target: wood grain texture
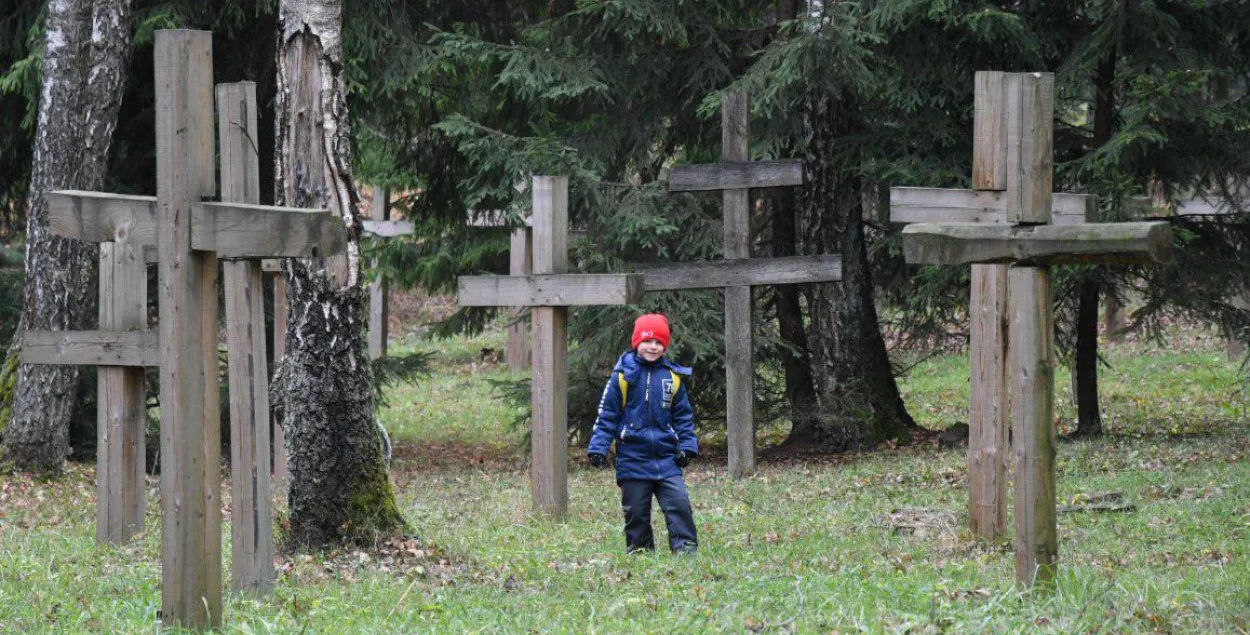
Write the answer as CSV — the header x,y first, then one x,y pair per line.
x,y
520,263
121,416
280,475
713,274
1095,243
935,205
577,289
739,358
1030,163
549,381
233,230
91,348
736,175
389,228
988,403
379,305
1033,431
191,511
248,368
989,132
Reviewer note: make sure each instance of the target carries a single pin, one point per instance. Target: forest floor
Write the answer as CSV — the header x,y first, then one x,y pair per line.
x,y
860,542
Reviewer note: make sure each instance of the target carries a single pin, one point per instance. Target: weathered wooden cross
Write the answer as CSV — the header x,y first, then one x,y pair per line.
x,y
736,176
381,226
520,263
549,291
190,234
987,351
1019,163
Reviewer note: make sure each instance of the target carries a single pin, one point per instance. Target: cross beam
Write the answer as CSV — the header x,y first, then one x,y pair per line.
x,y
1014,122
550,290
187,231
520,263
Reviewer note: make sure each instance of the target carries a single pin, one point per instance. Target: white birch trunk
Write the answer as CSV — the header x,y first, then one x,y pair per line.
x,y
339,486
87,44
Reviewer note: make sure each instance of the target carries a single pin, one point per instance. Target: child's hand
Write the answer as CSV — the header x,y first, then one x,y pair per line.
x,y
684,459
597,460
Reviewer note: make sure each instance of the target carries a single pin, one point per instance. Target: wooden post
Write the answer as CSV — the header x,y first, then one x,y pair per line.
x,y
251,512
739,364
987,349
379,313
1032,414
190,436
550,357
121,414
279,350
519,264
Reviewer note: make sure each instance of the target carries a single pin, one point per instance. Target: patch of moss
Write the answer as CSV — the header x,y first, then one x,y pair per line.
x,y
372,511
8,385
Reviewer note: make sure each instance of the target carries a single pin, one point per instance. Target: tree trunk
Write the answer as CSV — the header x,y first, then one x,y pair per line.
x,y
1089,415
83,74
800,390
859,400
339,486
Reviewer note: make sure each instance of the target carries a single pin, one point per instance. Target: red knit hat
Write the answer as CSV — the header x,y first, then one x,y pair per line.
x,y
652,326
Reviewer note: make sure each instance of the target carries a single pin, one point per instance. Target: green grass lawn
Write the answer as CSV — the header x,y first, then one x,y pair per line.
x,y
864,542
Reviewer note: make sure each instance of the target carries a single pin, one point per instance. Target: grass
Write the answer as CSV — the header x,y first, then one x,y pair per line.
x,y
863,542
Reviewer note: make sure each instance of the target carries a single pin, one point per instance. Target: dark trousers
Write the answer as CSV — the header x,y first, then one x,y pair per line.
x,y
636,502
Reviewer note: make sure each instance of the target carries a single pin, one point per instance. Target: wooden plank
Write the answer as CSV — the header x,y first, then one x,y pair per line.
x,y
379,310
91,348
989,133
121,415
1030,162
251,525
988,403
191,511
279,350
1105,243
1033,431
233,230
576,289
739,361
389,228
520,263
712,274
549,383
739,174
936,205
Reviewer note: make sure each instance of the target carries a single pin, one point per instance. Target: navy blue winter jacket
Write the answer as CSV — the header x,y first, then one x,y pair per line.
x,y
651,424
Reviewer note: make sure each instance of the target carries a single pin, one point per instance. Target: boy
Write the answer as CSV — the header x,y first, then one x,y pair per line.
x,y
646,410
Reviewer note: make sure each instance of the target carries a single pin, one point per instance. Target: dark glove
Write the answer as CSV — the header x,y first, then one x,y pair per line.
x,y
597,460
684,459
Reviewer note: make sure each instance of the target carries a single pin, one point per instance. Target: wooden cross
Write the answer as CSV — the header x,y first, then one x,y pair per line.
x,y
987,350
549,291
736,176
520,263
190,234
379,305
1017,160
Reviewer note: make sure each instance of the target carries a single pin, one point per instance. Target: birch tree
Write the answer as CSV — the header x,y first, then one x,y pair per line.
x,y
84,61
340,489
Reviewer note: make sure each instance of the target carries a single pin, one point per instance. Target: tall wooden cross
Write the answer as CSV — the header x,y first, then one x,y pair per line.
x,y
1021,107
190,234
736,176
381,226
549,291
987,350
520,263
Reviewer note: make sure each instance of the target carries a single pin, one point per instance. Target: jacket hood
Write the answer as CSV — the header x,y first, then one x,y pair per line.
x,y
631,364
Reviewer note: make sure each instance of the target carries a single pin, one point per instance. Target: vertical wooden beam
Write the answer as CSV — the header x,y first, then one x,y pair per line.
x,y
1032,414
988,407
550,357
379,312
190,452
279,350
251,525
520,264
739,365
121,418
1030,164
